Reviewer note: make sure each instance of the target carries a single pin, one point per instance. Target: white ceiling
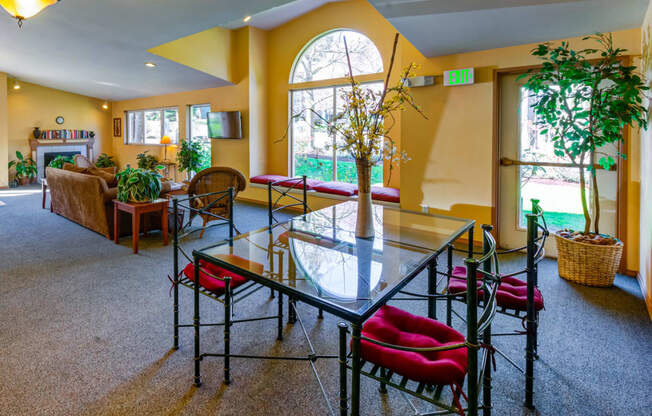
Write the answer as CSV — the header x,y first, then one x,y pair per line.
x,y
444,27
98,48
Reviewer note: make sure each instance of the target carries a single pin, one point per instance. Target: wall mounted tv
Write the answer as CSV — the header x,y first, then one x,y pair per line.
x,y
225,125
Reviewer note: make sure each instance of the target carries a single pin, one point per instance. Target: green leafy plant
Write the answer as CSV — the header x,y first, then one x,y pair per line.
x,y
585,98
25,166
138,185
58,161
147,161
104,161
189,156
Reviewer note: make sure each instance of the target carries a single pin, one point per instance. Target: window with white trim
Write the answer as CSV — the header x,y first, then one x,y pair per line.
x,y
148,126
313,149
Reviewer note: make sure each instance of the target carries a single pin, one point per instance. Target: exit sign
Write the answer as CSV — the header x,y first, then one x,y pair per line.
x,y
458,77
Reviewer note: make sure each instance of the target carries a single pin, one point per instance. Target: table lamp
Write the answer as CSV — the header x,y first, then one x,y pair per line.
x,y
165,140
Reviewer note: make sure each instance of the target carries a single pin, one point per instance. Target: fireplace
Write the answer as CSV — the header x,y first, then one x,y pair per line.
x,y
50,156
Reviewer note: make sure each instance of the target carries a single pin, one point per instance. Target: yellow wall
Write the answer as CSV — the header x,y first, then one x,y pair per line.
x,y
33,105
4,132
645,265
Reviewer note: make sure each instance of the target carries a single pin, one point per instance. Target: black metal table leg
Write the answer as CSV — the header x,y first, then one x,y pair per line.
x,y
196,326
279,335
432,289
449,272
532,232
355,369
344,408
175,270
472,335
227,330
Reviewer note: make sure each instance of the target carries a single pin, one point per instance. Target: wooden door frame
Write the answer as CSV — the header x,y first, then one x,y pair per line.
x,y
622,171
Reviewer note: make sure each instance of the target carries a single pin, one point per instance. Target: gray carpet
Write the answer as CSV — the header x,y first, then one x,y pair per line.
x,y
86,329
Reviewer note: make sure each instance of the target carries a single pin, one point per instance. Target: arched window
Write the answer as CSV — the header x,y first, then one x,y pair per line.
x,y
321,69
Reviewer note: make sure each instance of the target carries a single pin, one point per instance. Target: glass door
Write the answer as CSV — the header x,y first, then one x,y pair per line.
x,y
198,131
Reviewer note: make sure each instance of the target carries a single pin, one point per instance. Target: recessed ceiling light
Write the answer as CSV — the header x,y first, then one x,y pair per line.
x,y
246,19
150,64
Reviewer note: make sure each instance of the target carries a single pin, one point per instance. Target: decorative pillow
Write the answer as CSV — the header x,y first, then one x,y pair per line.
x,y
73,168
110,178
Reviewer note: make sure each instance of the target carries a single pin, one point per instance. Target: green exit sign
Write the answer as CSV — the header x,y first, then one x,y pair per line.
x,y
458,77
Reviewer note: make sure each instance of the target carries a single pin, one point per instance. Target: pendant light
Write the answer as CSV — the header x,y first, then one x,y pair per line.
x,y
24,9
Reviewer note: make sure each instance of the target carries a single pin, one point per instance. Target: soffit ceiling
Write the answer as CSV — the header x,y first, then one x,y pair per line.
x,y
98,48
444,27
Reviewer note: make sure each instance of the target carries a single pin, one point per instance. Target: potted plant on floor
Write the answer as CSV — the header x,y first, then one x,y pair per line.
x,y
138,185
59,161
585,102
104,161
25,168
189,157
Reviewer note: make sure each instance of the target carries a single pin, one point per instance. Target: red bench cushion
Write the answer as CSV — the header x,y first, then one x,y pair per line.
x,y
386,194
265,179
215,285
397,327
337,188
511,294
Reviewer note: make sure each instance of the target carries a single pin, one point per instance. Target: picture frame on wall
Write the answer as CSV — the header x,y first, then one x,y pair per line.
x,y
117,127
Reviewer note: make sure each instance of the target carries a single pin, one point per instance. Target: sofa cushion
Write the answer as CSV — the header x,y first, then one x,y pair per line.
x,y
397,327
337,188
386,194
109,178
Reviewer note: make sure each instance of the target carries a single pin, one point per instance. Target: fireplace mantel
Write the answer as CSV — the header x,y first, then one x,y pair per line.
x,y
41,146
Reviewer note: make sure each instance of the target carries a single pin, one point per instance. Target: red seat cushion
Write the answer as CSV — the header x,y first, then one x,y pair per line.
x,y
265,179
385,194
511,294
297,183
215,285
337,188
397,327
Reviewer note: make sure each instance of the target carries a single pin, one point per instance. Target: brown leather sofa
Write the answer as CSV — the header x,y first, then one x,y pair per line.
x,y
88,200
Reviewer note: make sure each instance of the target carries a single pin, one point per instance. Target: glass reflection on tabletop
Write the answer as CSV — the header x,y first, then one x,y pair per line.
x,y
319,256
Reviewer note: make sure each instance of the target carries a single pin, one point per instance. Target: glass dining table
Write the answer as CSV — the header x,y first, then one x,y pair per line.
x,y
317,260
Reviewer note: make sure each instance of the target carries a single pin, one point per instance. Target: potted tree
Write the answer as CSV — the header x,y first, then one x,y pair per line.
x,y
189,157
585,103
25,168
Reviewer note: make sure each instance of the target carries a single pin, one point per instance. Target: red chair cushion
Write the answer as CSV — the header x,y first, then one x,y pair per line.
x,y
337,188
511,294
215,285
385,194
395,326
265,179
298,184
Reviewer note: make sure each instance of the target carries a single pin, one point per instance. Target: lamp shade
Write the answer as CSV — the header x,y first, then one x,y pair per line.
x,y
166,140
24,9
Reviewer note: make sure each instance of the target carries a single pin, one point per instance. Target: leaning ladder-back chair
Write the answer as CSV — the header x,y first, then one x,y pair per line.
x,y
515,298
431,356
208,182
216,283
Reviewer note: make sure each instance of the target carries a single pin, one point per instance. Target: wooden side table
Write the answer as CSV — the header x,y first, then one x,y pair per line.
x,y
136,210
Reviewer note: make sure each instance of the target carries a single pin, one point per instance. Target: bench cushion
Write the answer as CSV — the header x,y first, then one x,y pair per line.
x,y
285,181
386,194
265,179
395,326
337,188
511,294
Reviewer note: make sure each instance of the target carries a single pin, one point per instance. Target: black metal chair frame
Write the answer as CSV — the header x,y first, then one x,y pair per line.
x,y
274,206
475,378
535,253
229,298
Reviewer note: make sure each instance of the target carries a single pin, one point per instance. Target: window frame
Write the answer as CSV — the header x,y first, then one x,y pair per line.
x,y
128,140
189,118
333,84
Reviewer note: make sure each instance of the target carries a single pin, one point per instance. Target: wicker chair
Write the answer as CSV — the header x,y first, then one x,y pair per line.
x,y
211,180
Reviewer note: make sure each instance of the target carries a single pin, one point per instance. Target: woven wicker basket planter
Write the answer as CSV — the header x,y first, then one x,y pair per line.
x,y
588,264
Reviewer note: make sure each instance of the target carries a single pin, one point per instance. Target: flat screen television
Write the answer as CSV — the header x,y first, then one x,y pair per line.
x,y
225,125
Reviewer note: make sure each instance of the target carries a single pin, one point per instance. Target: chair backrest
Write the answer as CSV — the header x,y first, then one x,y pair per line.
x,y
283,188
216,179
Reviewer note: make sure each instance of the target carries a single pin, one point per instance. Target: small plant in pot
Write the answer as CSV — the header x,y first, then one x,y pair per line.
x,y
138,185
585,99
104,161
59,161
147,161
25,168
189,157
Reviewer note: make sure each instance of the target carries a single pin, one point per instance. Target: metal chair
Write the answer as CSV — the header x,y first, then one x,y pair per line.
x,y
209,280
210,181
438,345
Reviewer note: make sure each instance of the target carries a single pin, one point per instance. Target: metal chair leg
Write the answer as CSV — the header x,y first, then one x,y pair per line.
x,y
344,408
196,322
279,335
227,331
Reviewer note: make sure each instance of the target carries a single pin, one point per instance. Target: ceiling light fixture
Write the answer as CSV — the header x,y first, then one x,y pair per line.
x,y
150,64
246,19
16,85
105,105
24,9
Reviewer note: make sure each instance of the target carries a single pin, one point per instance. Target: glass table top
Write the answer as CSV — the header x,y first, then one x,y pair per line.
x,y
317,258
